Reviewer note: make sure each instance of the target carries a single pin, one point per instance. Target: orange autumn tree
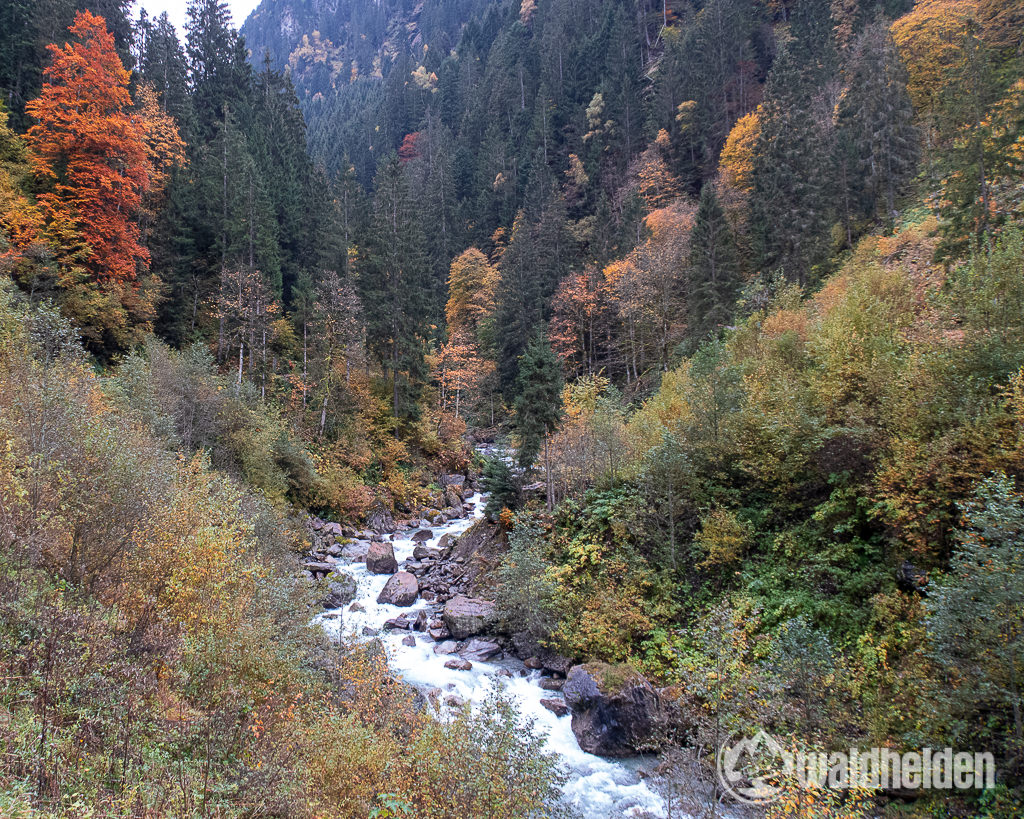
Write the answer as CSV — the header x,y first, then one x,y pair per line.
x,y
579,315
463,366
91,149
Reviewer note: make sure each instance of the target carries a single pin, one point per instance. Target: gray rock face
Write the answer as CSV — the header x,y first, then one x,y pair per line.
x,y
480,651
380,559
341,590
467,616
400,590
454,500
356,551
615,710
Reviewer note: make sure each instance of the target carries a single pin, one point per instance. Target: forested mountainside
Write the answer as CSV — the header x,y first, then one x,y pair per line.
x,y
737,287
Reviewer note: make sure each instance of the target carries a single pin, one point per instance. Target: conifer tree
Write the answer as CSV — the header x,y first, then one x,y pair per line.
x,y
876,125
393,285
161,62
538,405
714,267
793,199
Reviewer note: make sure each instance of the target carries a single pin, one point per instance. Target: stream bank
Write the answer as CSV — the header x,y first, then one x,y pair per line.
x,y
436,640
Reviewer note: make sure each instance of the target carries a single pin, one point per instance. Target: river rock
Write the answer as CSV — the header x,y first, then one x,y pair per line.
x,y
357,606
409,641
453,499
380,559
445,542
615,710
480,650
335,550
400,622
420,623
380,519
459,665
439,633
317,567
551,684
556,707
467,616
400,590
422,536
447,647
341,590
421,552
356,552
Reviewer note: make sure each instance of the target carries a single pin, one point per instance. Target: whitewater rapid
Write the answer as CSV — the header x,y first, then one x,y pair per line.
x,y
597,787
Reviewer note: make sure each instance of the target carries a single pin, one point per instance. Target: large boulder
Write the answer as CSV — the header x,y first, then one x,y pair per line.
x,y
469,562
422,536
467,616
380,559
615,710
380,519
400,590
356,551
479,650
454,500
341,590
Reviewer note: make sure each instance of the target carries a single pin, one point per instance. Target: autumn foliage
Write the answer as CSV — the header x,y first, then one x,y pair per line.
x,y
96,155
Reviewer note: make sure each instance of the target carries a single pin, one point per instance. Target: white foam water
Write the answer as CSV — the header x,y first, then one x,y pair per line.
x,y
597,787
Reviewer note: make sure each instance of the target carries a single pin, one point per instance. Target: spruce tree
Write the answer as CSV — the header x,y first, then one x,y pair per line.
x,y
393,285
793,200
714,267
876,126
161,62
538,405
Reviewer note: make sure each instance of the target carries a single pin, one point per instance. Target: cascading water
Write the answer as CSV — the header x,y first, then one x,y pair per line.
x,y
597,787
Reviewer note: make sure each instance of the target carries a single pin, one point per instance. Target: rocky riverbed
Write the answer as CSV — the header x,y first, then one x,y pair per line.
x,y
419,590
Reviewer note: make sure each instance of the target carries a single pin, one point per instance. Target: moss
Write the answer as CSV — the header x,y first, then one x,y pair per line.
x,y
612,678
